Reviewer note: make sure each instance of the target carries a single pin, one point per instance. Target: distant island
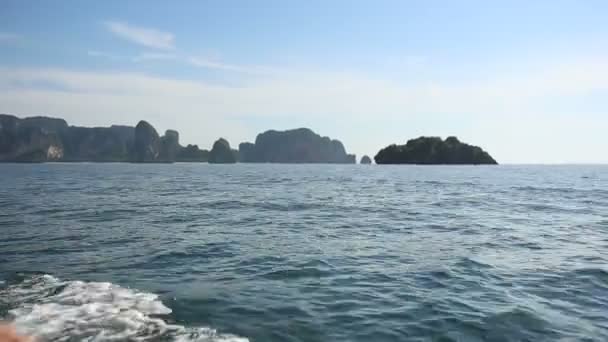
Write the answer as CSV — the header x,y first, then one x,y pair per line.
x,y
300,145
433,150
44,139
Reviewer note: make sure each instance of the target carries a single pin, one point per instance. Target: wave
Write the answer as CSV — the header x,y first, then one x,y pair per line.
x,y
53,310
560,190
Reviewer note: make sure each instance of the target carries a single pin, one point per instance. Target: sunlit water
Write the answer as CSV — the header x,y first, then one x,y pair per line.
x,y
196,252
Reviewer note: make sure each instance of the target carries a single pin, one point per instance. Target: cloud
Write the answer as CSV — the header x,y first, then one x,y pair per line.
x,y
197,62
153,38
517,116
217,65
147,37
7,37
96,53
153,56
142,57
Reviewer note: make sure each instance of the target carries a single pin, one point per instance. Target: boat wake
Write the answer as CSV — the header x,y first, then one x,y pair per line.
x,y
53,310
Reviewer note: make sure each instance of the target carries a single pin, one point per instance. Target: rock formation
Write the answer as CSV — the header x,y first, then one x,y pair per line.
x,y
101,144
433,150
34,139
146,147
169,146
41,139
192,153
221,153
300,145
366,160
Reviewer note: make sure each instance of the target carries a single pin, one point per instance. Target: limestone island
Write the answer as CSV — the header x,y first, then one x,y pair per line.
x,y
43,139
433,150
300,145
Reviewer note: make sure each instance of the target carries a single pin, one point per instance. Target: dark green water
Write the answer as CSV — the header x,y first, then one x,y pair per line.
x,y
193,252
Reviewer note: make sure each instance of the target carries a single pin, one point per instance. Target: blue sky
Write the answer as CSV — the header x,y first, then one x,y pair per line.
x,y
526,80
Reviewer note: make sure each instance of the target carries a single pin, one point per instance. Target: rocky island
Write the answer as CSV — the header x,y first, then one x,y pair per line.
x,y
300,145
42,139
366,160
433,150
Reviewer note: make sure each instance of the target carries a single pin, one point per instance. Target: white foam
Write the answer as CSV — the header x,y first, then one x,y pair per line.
x,y
53,310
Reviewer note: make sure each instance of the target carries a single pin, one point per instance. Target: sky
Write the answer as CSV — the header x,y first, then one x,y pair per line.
x,y
525,80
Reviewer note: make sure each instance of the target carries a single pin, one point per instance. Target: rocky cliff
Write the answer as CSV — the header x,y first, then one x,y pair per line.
x,y
41,139
433,150
294,146
36,139
146,147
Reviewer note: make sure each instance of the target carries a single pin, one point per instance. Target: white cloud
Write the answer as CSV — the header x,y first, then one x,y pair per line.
x,y
218,65
96,53
153,38
148,37
7,36
142,57
154,56
197,62
509,114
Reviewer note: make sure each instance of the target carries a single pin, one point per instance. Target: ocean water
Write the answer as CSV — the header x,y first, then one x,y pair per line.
x,y
246,252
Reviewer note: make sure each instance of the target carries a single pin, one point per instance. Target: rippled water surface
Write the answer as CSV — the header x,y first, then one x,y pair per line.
x,y
197,252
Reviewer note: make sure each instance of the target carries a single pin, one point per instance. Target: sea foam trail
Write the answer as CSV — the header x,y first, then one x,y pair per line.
x,y
54,310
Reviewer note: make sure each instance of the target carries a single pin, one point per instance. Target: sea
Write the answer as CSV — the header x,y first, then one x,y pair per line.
x,y
273,252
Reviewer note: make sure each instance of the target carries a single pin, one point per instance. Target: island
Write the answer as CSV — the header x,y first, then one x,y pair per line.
x,y
44,139
300,145
433,150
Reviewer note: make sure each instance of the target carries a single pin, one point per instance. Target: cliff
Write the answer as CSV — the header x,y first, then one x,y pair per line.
x,y
294,146
36,139
433,150
41,139
146,147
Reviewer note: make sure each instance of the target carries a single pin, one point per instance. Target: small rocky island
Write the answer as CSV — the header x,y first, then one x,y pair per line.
x,y
366,160
433,150
42,139
300,145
